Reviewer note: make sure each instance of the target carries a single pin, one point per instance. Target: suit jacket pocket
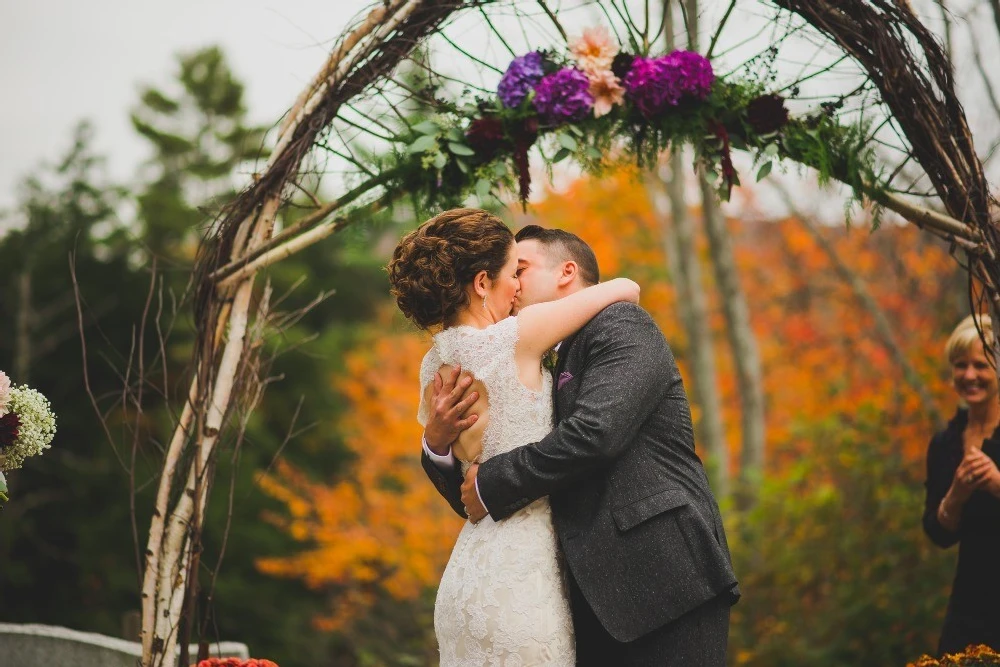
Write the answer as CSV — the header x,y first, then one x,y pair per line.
x,y
631,515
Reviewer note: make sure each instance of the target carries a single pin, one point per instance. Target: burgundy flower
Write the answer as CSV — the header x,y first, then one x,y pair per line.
x,y
728,171
767,114
10,424
524,137
485,136
563,97
621,64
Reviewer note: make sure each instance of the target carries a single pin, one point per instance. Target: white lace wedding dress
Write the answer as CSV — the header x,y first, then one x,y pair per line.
x,y
503,599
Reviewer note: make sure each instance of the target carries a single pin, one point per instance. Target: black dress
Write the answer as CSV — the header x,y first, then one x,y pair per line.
x,y
973,615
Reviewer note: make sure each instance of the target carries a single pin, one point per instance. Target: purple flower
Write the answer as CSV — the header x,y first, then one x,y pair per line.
x,y
647,85
693,73
521,76
563,97
653,84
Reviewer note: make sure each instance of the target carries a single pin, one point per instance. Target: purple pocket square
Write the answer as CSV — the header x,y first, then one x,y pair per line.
x,y
564,377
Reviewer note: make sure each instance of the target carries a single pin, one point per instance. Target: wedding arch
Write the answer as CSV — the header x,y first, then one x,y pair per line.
x,y
439,137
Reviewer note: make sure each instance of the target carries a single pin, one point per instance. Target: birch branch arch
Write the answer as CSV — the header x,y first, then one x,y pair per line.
x,y
898,56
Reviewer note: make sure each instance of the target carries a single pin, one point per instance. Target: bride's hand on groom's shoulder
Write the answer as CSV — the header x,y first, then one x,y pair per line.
x,y
447,405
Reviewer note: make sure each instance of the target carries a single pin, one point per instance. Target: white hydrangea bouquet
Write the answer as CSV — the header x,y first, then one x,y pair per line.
x,y
27,426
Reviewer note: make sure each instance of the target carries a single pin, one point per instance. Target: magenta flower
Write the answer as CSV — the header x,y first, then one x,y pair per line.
x,y
693,74
521,76
563,97
654,84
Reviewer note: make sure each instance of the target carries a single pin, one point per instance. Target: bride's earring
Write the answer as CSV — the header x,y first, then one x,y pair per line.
x,y
484,303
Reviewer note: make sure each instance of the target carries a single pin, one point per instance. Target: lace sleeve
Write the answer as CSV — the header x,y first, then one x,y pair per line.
x,y
428,367
482,352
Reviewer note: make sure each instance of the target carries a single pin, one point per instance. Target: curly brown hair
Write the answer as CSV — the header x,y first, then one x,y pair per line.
x,y
433,265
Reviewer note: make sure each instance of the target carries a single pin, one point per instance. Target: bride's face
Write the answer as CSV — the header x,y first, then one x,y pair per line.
x,y
503,291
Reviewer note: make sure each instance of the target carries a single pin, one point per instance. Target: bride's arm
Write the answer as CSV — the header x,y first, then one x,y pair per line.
x,y
542,325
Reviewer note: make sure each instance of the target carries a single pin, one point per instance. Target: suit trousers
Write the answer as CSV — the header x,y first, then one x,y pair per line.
x,y
696,639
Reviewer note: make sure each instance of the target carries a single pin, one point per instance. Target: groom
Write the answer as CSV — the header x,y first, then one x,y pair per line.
x,y
650,576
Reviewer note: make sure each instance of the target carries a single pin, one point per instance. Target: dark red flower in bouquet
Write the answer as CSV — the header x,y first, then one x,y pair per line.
x,y
621,65
767,114
485,136
728,171
10,424
524,138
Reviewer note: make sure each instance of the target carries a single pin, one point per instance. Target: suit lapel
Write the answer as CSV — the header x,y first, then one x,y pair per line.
x,y
563,356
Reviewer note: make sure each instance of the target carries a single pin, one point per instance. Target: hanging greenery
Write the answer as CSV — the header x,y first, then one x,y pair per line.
x,y
600,105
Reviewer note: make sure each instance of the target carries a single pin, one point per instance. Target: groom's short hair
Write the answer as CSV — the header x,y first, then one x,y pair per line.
x,y
563,246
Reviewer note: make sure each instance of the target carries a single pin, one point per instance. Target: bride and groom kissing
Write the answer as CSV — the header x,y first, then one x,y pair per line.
x,y
593,537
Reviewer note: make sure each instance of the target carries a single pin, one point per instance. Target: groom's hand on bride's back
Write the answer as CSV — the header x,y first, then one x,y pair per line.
x,y
449,401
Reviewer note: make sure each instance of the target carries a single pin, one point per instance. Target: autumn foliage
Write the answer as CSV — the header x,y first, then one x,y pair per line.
x,y
382,529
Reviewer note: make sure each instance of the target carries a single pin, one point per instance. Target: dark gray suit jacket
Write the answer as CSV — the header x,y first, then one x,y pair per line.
x,y
637,522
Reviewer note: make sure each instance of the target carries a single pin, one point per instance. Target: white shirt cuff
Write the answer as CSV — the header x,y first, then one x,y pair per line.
x,y
481,497
446,462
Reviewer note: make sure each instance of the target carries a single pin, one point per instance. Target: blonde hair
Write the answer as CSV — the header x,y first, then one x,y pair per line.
x,y
966,335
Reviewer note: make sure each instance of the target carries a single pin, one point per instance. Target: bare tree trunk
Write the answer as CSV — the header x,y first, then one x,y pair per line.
x,y
667,196
680,248
22,329
743,342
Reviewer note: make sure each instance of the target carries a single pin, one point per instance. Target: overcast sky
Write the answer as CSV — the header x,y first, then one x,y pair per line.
x,y
64,61
67,60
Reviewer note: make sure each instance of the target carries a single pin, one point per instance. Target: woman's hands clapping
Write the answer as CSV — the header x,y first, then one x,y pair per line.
x,y
976,471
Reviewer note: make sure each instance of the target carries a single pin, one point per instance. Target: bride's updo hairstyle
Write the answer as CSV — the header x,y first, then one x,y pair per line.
x,y
434,264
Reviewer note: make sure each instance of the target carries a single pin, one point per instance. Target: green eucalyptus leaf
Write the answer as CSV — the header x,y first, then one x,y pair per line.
x,y
426,127
455,135
460,149
764,170
500,169
711,176
561,155
482,187
593,153
422,144
440,160
463,165
568,142
771,150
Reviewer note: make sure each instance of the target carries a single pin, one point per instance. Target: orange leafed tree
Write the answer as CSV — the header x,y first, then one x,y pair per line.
x,y
381,529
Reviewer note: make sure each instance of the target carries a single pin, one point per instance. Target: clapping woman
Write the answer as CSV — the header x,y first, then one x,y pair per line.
x,y
962,503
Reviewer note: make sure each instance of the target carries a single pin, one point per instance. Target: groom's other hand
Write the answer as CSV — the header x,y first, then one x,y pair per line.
x,y
470,496
448,403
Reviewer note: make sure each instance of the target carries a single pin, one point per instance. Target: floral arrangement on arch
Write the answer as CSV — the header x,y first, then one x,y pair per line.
x,y
973,656
27,426
591,97
235,662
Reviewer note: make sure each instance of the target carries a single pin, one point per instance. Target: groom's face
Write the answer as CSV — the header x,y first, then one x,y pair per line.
x,y
539,275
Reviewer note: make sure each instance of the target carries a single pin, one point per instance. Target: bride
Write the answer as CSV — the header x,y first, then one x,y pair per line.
x,y
502,599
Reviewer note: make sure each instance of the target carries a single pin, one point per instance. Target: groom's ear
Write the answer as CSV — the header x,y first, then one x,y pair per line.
x,y
569,272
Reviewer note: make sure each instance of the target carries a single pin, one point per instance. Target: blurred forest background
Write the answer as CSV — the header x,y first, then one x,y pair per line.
x,y
326,537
